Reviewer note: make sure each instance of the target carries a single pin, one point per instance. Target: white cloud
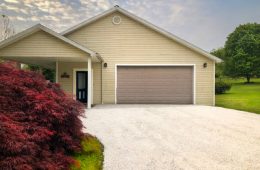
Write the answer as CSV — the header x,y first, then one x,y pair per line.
x,y
100,4
33,18
12,1
103,4
24,11
176,10
12,8
20,18
56,14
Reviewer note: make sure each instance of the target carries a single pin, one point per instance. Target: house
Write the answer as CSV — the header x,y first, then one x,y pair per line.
x,y
117,57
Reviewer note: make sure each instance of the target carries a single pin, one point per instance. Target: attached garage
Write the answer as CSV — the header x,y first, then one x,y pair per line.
x,y
155,84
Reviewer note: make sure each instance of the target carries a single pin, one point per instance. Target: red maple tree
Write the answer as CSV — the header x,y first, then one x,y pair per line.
x,y
39,123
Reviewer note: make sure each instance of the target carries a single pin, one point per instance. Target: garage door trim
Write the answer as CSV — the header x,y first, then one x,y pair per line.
x,y
174,65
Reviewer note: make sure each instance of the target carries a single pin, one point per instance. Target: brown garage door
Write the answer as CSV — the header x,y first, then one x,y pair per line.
x,y
155,84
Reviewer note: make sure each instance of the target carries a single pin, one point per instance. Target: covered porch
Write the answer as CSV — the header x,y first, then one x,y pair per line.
x,y
72,62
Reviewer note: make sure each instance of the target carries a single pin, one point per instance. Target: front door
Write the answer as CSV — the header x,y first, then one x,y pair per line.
x,y
82,86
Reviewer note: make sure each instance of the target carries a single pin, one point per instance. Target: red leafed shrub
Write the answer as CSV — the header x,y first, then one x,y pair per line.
x,y
39,124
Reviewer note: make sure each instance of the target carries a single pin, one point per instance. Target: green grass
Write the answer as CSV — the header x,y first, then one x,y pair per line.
x,y
91,158
241,96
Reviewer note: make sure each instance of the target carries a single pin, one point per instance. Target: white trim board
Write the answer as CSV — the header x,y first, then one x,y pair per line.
x,y
174,65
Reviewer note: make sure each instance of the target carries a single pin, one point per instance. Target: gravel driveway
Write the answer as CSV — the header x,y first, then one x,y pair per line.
x,y
162,137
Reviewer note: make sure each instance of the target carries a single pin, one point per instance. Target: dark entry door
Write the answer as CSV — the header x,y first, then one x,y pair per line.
x,y
82,86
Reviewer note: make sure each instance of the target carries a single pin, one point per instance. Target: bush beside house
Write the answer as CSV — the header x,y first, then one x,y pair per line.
x,y
39,124
221,86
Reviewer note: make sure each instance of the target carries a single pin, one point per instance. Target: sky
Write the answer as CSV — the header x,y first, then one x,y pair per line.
x,y
204,23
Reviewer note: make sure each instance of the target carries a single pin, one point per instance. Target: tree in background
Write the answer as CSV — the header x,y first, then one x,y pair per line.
x,y
7,30
6,27
221,86
242,52
220,53
49,74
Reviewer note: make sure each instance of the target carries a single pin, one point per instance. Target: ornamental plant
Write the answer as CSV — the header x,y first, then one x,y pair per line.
x,y
222,86
39,123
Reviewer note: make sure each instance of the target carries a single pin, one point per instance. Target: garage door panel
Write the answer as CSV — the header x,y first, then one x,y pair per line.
x,y
163,100
154,94
155,84
155,89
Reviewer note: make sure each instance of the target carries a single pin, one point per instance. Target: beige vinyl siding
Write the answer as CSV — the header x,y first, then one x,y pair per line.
x,y
67,83
132,43
41,44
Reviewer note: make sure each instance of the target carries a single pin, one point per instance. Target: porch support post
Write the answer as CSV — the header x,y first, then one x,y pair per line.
x,y
89,82
57,72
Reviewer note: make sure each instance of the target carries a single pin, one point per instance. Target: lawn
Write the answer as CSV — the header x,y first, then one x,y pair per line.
x,y
241,96
91,158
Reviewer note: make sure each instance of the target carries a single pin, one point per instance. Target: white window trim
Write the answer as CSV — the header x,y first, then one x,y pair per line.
x,y
74,82
188,65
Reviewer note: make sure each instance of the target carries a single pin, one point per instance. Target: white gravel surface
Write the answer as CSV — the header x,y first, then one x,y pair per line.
x,y
162,137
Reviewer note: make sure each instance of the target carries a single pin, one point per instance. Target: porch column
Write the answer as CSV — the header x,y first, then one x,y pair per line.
x,y
57,72
89,82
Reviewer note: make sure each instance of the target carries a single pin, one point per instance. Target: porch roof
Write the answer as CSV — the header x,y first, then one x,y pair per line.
x,y
40,45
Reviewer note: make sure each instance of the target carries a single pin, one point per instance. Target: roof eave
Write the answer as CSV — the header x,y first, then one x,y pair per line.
x,y
90,52
38,27
146,23
19,36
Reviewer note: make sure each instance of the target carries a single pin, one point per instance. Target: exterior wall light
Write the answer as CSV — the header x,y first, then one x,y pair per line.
x,y
105,65
205,65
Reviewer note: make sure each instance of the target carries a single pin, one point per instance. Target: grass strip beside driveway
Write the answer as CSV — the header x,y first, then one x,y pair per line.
x,y
241,96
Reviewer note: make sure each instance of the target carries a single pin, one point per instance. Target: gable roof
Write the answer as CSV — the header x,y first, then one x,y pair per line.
x,y
39,27
146,23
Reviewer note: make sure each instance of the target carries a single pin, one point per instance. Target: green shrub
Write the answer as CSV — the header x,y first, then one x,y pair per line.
x,y
91,157
222,86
